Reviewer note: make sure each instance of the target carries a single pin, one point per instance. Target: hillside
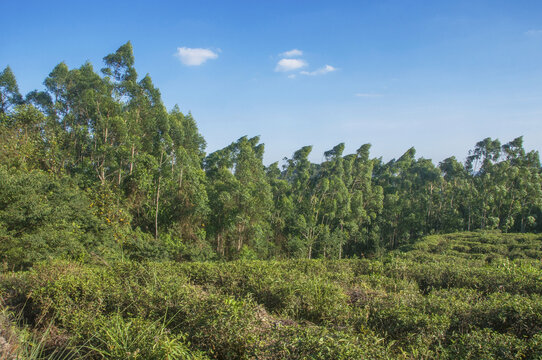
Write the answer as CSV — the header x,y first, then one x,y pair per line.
x,y
271,180
454,296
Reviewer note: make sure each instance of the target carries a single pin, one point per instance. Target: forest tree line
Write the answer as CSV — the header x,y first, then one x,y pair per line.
x,y
94,167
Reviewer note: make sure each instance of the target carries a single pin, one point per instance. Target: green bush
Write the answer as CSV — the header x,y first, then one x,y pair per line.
x,y
320,343
487,344
118,338
415,304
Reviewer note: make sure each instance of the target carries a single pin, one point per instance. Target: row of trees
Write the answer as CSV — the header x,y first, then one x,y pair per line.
x,y
141,172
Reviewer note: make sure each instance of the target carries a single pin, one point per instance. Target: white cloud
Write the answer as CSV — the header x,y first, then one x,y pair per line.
x,y
534,32
291,76
367,95
326,69
292,53
194,56
290,64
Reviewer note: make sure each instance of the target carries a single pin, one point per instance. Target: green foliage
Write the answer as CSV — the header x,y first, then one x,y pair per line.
x,y
240,199
42,217
104,194
119,338
146,171
9,91
496,346
443,298
320,343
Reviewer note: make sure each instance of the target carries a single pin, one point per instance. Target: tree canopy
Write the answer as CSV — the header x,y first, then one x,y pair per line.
x,y
94,167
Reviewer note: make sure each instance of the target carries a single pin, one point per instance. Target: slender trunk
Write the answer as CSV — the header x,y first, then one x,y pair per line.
x,y
468,224
341,242
100,171
309,239
156,212
158,198
132,159
120,172
240,238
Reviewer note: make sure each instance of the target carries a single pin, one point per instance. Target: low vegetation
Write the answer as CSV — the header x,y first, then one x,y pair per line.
x,y
464,295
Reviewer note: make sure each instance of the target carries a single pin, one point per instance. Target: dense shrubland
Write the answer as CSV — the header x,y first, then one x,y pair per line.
x,y
465,295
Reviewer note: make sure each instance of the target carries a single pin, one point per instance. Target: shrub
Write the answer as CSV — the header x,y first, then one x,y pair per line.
x,y
487,344
136,338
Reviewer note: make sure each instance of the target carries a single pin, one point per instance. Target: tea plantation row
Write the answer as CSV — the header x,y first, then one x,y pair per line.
x,y
465,295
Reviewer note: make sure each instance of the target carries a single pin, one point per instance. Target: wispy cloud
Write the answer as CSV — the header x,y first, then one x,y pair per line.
x,y
324,70
195,56
292,53
290,64
367,95
534,32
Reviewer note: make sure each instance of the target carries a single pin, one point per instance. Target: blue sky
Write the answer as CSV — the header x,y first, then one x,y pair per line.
x,y
437,75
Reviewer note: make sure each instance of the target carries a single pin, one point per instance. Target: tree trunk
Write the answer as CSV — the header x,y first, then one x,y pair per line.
x,y
132,159
120,172
240,238
158,198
